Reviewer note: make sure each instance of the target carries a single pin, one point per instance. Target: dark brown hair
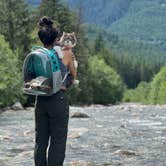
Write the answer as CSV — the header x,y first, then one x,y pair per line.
x,y
47,33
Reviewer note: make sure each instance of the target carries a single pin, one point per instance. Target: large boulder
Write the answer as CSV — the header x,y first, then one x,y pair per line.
x,y
17,106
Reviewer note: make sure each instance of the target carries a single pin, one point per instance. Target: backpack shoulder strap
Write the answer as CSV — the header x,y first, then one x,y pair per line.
x,y
44,50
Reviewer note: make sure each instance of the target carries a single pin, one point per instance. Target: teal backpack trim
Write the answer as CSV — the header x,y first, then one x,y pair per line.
x,y
53,57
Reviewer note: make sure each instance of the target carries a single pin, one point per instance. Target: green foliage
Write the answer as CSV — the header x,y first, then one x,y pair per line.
x,y
134,61
158,88
138,20
62,16
84,91
139,94
144,22
99,44
10,77
16,25
105,60
106,83
154,92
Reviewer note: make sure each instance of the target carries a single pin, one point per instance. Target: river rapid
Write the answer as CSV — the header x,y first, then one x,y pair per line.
x,y
122,135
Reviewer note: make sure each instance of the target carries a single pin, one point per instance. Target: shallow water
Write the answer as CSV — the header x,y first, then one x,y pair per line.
x,y
127,135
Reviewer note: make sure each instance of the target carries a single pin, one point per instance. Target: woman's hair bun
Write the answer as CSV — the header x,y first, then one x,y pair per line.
x,y
45,22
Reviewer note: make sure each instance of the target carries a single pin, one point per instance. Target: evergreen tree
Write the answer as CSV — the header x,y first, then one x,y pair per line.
x,y
61,15
106,83
84,92
10,77
16,25
99,44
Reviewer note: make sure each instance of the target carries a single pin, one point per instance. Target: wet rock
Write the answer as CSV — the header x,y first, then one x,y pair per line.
x,y
79,115
74,135
29,108
5,109
79,131
26,147
5,137
29,132
25,154
16,150
17,106
123,126
80,163
126,153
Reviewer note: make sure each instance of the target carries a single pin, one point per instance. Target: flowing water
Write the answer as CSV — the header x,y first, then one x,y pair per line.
x,y
121,135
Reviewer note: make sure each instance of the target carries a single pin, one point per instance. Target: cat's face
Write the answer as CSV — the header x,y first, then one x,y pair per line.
x,y
68,40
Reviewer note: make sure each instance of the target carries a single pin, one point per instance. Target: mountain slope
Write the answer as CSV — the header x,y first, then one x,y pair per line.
x,y
101,12
33,2
142,20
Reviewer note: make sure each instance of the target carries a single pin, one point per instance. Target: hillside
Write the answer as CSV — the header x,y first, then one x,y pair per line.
x,y
141,20
144,21
34,2
103,12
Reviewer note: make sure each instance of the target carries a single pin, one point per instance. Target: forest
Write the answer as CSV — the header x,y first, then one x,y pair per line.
x,y
111,69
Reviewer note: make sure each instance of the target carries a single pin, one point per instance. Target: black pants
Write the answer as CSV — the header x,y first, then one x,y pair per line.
x,y
51,122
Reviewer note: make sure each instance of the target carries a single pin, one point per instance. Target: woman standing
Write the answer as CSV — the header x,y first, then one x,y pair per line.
x,y
52,112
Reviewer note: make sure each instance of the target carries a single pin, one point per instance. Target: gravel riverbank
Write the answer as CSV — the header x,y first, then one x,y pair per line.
x,y
121,135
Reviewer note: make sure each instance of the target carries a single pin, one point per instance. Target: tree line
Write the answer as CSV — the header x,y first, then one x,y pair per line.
x,y
104,72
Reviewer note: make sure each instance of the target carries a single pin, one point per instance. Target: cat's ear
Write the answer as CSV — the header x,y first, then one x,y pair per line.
x,y
61,39
73,33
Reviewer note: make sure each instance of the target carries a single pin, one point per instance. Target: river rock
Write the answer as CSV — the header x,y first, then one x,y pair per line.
x,y
26,154
29,108
126,153
6,108
29,132
79,115
17,106
74,135
79,131
80,163
5,137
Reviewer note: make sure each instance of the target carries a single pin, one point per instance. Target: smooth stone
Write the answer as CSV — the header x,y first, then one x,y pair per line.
x,y
6,137
6,109
29,108
79,131
26,154
125,152
29,132
79,115
74,135
80,163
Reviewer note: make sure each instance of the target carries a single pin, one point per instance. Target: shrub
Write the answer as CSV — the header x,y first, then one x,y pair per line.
x,y
107,86
10,77
158,87
139,94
